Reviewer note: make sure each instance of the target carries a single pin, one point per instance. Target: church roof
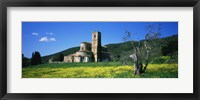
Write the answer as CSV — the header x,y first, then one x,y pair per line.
x,y
87,42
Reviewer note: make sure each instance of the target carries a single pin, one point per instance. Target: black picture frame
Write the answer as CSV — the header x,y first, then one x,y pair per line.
x,y
98,3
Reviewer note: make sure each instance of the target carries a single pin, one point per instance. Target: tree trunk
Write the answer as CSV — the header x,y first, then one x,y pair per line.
x,y
135,69
138,69
147,61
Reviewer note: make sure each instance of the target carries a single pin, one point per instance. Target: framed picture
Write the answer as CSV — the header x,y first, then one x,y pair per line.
x,y
63,49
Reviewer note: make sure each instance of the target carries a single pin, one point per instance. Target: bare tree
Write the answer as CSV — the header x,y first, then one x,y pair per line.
x,y
143,51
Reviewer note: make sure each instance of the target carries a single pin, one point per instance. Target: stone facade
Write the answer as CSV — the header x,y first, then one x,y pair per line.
x,y
90,52
96,46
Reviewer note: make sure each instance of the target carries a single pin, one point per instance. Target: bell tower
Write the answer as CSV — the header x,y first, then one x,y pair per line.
x,y
96,46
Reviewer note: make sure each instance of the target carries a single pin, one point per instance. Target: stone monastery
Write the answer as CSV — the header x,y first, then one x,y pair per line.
x,y
90,52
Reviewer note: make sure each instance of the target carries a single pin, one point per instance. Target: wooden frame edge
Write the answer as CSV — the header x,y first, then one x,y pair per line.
x,y
17,3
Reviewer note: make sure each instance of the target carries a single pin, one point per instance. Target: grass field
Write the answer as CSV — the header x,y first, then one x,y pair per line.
x,y
98,70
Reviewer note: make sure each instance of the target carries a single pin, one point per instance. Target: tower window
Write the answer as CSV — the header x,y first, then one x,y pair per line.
x,y
94,36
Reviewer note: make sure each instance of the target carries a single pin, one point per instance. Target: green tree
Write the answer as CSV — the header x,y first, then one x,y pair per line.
x,y
170,49
36,58
61,57
33,59
55,58
25,61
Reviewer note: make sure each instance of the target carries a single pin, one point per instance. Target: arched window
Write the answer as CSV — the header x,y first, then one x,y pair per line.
x,y
95,36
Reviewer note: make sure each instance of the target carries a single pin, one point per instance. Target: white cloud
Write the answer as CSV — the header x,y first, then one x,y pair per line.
x,y
52,39
49,33
34,33
46,39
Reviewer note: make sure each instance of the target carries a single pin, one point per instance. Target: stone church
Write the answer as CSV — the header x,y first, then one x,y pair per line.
x,y
90,52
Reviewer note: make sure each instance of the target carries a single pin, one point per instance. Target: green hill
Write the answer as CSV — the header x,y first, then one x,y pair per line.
x,y
119,48
45,59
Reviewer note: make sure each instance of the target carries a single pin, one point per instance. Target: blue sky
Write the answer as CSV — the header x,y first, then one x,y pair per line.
x,y
52,37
